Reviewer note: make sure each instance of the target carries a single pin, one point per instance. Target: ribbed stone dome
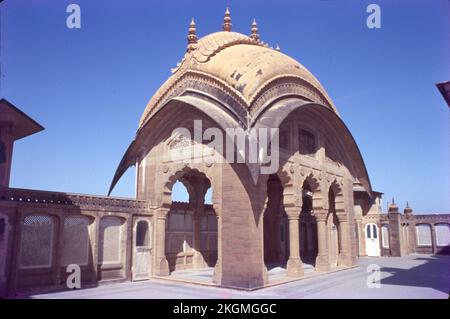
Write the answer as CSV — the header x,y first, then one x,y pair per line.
x,y
244,64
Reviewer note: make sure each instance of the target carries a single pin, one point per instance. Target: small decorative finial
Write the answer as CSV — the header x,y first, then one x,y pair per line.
x,y
278,48
408,210
192,36
254,35
227,21
393,207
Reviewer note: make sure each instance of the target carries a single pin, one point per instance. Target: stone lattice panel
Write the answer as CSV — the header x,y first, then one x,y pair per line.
x,y
442,234
37,241
76,241
423,232
110,236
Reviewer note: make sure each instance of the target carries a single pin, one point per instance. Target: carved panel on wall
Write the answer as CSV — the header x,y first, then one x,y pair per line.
x,y
423,233
442,234
180,141
76,245
110,240
37,241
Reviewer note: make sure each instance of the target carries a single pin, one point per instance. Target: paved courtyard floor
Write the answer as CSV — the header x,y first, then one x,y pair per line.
x,y
415,276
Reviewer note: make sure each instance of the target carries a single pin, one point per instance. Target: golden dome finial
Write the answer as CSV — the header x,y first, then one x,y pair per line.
x,y
393,206
254,35
227,21
192,36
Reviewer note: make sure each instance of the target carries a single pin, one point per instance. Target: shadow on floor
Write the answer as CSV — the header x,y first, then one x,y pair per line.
x,y
433,273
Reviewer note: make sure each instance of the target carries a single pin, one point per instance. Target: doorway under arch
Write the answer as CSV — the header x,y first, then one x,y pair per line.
x,y
308,227
191,234
276,237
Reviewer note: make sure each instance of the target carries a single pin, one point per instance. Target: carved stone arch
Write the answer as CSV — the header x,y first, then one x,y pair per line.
x,y
153,131
201,84
338,196
287,86
291,199
314,182
277,111
181,174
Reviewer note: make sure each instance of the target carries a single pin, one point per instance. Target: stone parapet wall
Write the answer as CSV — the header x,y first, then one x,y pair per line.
x,y
43,232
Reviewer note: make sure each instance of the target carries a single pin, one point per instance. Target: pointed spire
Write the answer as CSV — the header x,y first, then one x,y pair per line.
x,y
227,21
254,35
192,36
408,210
393,206
278,48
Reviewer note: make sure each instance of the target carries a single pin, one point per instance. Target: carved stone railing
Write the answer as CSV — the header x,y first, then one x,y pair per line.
x,y
39,198
186,206
431,218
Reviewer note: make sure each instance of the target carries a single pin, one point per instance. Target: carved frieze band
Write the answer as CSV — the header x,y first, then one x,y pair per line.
x,y
201,82
43,198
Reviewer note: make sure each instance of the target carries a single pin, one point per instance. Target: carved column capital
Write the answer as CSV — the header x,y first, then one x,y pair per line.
x,y
321,216
293,212
342,217
162,212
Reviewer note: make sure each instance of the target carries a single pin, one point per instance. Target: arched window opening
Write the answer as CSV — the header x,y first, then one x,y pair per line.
x,y
208,196
385,236
368,231
307,143
179,193
142,234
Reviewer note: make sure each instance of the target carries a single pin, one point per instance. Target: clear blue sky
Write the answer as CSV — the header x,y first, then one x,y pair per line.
x,y
88,87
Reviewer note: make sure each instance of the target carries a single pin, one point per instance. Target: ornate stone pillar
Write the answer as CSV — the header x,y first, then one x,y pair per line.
x,y
161,264
361,239
294,264
58,247
322,260
344,257
217,274
433,240
198,260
